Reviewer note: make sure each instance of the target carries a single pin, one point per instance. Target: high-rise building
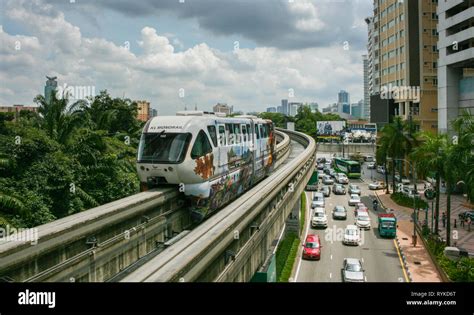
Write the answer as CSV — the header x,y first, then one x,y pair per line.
x,y
346,108
280,109
405,61
343,97
144,112
154,113
50,88
365,110
293,108
284,107
314,107
223,108
456,61
373,76
356,109
271,109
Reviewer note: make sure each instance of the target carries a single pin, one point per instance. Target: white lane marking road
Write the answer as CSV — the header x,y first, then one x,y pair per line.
x,y
300,259
330,275
331,257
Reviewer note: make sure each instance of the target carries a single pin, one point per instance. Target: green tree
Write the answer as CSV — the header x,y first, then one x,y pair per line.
x,y
397,140
59,119
430,157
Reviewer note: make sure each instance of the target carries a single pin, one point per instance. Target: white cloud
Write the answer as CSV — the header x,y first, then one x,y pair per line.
x,y
249,79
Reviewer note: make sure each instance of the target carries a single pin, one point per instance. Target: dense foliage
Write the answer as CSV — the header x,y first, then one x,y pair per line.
x,y
449,157
305,120
67,158
461,270
405,201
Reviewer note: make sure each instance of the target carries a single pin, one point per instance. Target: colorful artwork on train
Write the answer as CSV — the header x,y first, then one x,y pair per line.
x,y
215,159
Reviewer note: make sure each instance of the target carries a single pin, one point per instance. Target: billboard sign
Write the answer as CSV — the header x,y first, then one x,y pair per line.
x,y
330,128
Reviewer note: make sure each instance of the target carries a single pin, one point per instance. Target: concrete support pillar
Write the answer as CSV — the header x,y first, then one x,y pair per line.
x,y
448,96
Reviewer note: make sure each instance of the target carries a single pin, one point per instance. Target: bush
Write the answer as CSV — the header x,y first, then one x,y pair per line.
x,y
406,201
458,271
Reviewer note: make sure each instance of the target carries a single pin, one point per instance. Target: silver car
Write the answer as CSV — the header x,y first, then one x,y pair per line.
x,y
318,200
352,270
354,189
327,180
339,213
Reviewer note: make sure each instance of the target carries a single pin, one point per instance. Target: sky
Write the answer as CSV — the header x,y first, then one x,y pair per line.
x,y
177,53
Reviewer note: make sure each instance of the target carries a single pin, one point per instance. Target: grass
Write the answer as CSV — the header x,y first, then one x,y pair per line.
x,y
405,201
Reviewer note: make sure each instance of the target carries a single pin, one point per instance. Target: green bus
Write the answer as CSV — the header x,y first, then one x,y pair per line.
x,y
348,167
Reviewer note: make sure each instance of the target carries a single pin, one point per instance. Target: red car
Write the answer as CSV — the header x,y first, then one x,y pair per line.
x,y
312,247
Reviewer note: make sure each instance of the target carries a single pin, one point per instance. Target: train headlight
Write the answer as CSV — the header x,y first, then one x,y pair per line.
x,y
170,169
142,168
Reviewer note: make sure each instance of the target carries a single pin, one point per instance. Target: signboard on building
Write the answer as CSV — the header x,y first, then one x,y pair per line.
x,y
330,128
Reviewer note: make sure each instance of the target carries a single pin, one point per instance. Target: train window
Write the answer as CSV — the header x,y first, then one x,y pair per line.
x,y
230,134
213,134
267,130
222,137
163,147
237,133
257,132
201,146
244,133
262,131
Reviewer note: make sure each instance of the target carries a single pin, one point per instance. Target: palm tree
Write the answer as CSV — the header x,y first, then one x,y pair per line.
x,y
464,127
397,141
58,118
430,157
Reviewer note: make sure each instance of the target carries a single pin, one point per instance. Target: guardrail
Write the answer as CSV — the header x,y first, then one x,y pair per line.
x,y
238,235
96,244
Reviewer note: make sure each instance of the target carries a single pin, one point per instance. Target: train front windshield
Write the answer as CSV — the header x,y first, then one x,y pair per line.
x,y
166,148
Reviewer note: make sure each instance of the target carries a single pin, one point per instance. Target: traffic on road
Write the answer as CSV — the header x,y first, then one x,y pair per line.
x,y
349,237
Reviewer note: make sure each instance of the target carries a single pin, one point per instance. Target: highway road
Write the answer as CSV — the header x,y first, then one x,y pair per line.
x,y
379,256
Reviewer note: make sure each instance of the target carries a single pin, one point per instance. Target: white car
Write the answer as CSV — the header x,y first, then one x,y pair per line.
x,y
342,179
363,220
318,200
355,199
320,218
351,235
371,165
375,185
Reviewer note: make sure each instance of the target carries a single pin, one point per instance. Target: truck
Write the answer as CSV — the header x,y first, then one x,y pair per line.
x,y
312,185
387,225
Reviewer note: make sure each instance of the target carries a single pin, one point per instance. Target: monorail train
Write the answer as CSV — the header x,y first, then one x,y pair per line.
x,y
211,159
